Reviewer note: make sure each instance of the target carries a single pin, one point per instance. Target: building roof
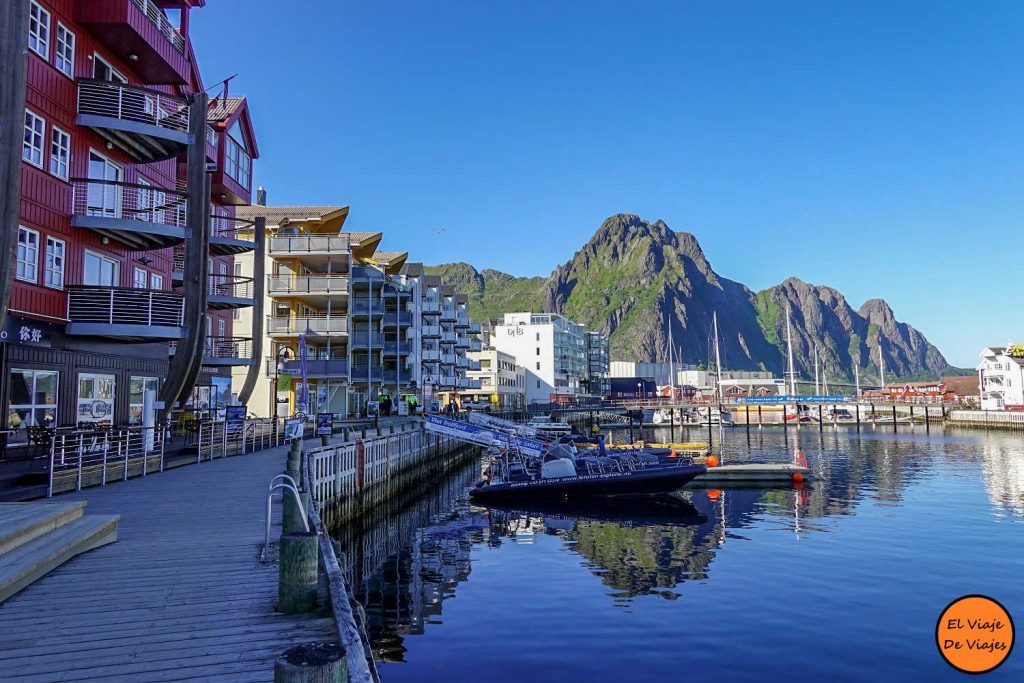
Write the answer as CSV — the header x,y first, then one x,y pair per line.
x,y
413,269
432,280
275,215
222,108
962,386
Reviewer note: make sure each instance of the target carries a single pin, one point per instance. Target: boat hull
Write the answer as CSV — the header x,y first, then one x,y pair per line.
x,y
654,480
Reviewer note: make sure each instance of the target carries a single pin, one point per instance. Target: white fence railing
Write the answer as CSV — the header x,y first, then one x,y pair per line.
x,y
122,306
993,418
337,245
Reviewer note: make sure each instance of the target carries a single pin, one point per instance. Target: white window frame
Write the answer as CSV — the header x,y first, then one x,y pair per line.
x,y
156,282
39,30
53,264
56,150
32,407
118,77
35,127
152,382
64,55
24,267
102,257
140,282
110,402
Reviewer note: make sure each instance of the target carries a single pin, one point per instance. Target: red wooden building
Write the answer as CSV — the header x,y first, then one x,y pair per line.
x,y
98,299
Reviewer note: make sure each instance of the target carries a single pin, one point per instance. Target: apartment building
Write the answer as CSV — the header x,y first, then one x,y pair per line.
x,y
1001,378
551,349
597,381
357,322
116,213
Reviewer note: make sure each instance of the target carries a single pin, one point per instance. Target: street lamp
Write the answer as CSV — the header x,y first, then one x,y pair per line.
x,y
639,390
280,360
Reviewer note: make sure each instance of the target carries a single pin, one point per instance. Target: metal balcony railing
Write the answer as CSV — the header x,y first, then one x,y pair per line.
x,y
375,373
394,347
163,24
338,245
315,367
392,318
118,200
308,284
449,337
229,227
121,306
430,331
448,358
316,325
132,103
230,286
431,355
228,347
366,339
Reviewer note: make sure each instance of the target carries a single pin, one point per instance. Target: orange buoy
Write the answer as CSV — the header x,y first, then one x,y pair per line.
x,y
714,494
798,477
672,454
712,461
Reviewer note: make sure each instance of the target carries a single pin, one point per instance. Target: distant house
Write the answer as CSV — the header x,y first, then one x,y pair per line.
x,y
963,389
1001,378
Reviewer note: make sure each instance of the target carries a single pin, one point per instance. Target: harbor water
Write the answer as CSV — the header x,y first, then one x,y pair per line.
x,y
842,579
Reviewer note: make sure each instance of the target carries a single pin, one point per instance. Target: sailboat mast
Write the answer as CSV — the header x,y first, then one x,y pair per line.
x,y
671,365
718,360
881,365
856,378
817,384
789,347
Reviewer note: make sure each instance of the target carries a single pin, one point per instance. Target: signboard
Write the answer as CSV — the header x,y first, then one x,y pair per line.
x,y
293,427
302,405
428,394
235,418
324,425
403,408
24,332
796,399
372,408
481,435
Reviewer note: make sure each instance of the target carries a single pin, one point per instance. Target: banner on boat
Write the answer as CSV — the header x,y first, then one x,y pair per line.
x,y
797,399
481,435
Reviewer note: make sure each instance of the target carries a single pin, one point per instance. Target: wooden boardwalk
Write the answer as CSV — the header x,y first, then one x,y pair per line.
x,y
179,597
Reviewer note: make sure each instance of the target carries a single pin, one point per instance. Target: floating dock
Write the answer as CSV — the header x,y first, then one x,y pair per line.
x,y
782,473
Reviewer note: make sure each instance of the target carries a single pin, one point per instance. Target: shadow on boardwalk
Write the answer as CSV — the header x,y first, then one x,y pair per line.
x,y
179,597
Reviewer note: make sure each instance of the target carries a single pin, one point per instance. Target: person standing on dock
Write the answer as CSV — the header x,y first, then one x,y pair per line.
x,y
600,445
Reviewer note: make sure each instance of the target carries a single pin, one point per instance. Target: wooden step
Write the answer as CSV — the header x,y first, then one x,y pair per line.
x,y
24,522
30,561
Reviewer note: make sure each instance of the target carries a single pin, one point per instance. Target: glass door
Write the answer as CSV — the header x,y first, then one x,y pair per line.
x,y
104,197
95,399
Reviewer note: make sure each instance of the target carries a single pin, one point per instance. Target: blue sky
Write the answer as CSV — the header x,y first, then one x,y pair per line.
x,y
875,147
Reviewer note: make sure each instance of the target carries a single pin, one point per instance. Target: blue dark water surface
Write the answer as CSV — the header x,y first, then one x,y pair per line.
x,y
842,580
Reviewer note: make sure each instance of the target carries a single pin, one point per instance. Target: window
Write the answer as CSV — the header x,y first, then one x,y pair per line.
x,y
140,278
538,336
538,384
237,164
105,197
538,365
156,282
28,255
211,287
39,30
100,271
64,60
60,153
95,398
32,147
222,328
53,270
32,403
137,389
538,350
102,70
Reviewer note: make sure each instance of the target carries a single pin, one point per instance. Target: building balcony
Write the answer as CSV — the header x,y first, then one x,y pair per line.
x,y
377,374
138,32
430,331
394,318
312,250
229,291
395,348
430,355
315,287
331,368
137,315
225,351
475,346
462,343
313,326
366,309
231,181
448,314
449,337
445,381
145,124
366,274
473,365
474,328
366,340
230,236
448,359
141,217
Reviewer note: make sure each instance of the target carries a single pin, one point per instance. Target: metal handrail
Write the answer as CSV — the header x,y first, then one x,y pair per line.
x,y
156,15
132,103
317,323
292,244
308,284
124,306
131,201
235,286
270,499
230,227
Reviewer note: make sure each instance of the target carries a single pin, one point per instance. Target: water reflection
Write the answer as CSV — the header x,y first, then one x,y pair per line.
x,y
409,558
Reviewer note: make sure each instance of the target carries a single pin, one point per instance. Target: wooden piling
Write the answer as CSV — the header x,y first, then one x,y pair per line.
x,y
821,420
760,423
748,416
894,417
857,410
297,573
927,422
672,423
312,663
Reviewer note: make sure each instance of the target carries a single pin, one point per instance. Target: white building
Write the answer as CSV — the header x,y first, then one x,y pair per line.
x,y
1001,378
552,350
502,381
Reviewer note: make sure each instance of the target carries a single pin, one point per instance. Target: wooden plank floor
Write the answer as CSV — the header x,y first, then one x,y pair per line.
x,y
179,597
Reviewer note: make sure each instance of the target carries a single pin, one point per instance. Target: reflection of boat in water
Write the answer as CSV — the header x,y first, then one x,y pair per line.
x,y
562,474
544,425
664,509
719,416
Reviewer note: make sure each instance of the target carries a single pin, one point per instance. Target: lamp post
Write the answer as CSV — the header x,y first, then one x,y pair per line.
x,y
279,361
